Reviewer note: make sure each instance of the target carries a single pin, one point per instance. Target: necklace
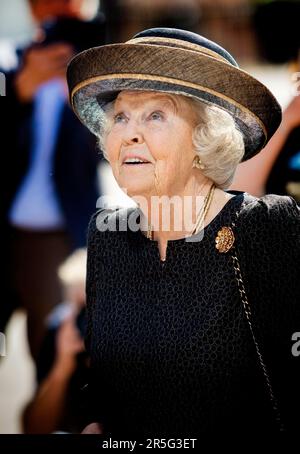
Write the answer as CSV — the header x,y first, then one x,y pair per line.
x,y
149,232
204,211
201,216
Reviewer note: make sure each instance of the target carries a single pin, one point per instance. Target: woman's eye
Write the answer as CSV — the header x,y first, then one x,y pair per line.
x,y
156,116
119,118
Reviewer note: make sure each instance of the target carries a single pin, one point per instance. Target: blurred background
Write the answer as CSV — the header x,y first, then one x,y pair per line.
x,y
55,173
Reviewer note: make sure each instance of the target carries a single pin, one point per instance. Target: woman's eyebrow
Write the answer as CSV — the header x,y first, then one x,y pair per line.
x,y
167,102
163,99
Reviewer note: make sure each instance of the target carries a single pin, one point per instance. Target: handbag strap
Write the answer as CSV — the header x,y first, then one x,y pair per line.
x,y
248,313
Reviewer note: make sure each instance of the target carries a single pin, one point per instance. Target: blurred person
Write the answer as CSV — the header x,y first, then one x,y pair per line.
x,y
277,168
62,364
51,165
189,321
49,9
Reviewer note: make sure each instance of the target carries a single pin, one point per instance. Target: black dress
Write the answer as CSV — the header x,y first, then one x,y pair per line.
x,y
171,350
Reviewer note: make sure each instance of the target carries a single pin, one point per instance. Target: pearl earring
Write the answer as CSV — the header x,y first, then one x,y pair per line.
x,y
198,163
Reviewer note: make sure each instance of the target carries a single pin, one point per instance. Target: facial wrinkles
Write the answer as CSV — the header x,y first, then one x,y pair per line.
x,y
157,184
160,175
153,103
137,107
161,185
138,101
170,167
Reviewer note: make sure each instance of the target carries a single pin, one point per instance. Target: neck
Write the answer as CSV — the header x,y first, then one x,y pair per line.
x,y
174,216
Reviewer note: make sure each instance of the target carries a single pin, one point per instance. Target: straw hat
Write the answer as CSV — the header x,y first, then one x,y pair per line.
x,y
179,62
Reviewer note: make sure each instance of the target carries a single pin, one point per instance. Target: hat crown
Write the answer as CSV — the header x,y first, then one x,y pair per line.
x,y
173,61
188,37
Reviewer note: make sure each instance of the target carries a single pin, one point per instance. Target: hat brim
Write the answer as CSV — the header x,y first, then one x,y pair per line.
x,y
97,75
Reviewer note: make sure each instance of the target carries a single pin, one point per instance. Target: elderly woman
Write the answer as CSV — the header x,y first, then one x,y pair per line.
x,y
191,321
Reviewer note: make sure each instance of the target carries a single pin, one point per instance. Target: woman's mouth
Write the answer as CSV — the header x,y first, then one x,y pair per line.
x,y
135,162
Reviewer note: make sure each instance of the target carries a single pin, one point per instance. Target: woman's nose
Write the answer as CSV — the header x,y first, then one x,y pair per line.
x,y
132,135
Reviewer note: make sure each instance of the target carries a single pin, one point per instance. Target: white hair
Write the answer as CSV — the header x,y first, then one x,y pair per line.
x,y
217,139
218,142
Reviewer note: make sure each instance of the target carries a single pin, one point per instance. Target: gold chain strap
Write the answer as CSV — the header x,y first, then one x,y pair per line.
x,y
248,313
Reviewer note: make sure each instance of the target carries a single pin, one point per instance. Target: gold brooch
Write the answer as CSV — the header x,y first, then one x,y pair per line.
x,y
225,239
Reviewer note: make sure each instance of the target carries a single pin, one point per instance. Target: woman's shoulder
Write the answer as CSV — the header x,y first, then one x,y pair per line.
x,y
280,204
272,208
271,222
107,220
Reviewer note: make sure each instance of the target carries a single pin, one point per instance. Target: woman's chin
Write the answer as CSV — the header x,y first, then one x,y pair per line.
x,y
136,187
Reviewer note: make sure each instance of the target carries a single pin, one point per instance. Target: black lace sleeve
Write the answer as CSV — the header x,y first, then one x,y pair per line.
x,y
270,256
91,282
287,365
90,278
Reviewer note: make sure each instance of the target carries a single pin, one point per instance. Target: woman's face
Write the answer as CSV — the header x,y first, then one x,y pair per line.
x,y
156,128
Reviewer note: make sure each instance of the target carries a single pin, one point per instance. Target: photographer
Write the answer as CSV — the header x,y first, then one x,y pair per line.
x,y
62,366
50,162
